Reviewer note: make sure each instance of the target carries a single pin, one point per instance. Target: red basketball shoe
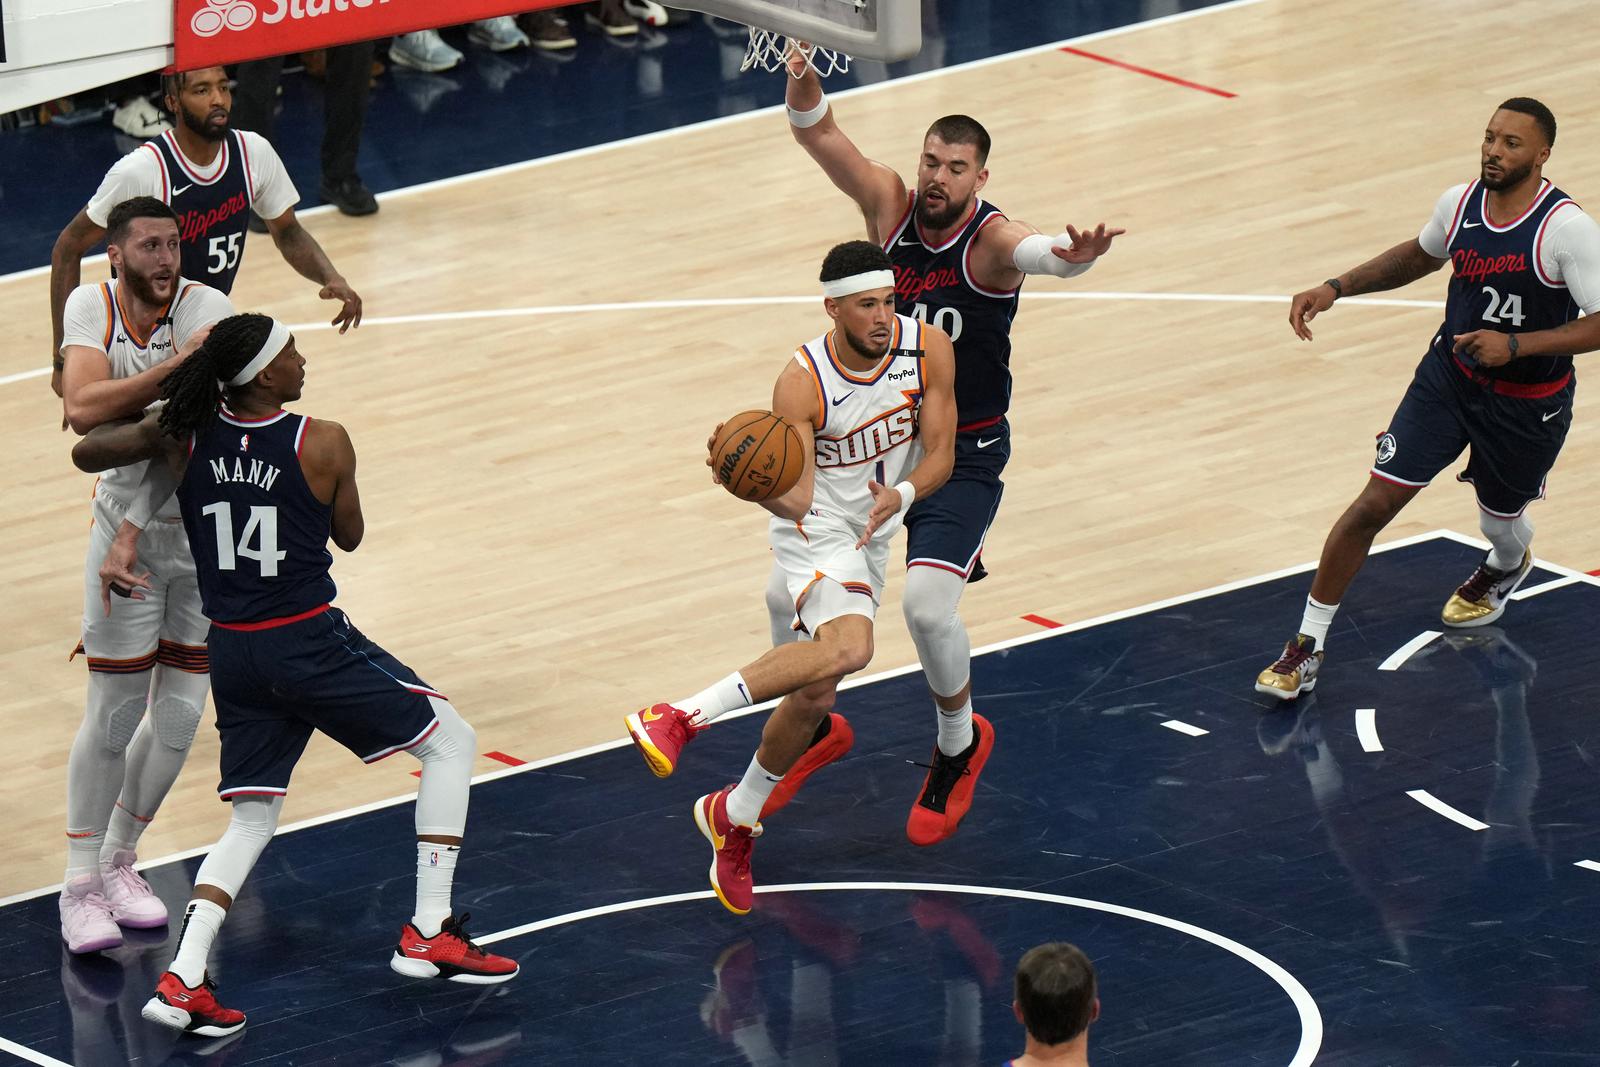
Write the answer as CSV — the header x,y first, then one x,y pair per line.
x,y
947,790
659,732
730,851
194,1011
449,954
833,745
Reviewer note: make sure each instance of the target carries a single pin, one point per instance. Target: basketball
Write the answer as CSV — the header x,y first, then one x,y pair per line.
x,y
757,456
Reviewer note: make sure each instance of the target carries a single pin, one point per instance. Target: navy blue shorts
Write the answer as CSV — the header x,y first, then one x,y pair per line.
x,y
1514,440
947,529
274,686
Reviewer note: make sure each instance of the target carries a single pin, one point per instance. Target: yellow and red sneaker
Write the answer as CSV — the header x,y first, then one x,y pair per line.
x,y
831,746
194,1011
730,851
946,793
449,954
659,732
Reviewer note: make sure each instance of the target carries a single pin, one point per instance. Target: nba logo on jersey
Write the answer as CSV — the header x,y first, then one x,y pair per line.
x,y
433,859
244,442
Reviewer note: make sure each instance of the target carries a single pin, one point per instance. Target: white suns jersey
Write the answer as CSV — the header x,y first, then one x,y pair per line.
x,y
867,422
94,319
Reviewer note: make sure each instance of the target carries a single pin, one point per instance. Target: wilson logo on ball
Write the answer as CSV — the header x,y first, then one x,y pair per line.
x,y
731,459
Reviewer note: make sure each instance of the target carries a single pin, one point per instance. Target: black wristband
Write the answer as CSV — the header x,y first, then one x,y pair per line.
x,y
1333,283
58,362
1511,343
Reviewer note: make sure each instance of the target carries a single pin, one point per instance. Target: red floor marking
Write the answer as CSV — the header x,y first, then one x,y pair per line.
x,y
509,761
1151,73
1040,620
1595,573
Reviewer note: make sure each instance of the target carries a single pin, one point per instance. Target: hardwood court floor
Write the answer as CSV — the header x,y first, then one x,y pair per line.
x,y
543,543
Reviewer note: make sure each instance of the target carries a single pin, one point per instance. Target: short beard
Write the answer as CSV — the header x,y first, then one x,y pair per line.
x,y
203,128
928,220
861,347
1507,179
142,287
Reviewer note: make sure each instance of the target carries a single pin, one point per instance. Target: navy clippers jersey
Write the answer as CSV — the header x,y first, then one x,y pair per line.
x,y
1497,284
259,536
936,286
214,216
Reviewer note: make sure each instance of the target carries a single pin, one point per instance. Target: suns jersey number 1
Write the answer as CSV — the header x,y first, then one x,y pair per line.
x,y
866,422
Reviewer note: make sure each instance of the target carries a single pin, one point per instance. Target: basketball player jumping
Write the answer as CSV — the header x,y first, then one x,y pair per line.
x,y
1497,375
213,177
959,264
873,401
147,660
261,492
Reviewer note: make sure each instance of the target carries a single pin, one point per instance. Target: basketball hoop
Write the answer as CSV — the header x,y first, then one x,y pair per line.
x,y
770,49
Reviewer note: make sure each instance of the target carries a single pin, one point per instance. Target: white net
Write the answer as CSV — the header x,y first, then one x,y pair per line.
x,y
770,51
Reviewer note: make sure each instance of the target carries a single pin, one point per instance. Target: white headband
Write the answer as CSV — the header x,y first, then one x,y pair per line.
x,y
859,283
269,352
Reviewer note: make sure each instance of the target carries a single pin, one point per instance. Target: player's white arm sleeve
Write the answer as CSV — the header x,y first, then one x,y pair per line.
x,y
1435,236
85,318
136,174
1033,255
201,306
160,482
271,189
1571,255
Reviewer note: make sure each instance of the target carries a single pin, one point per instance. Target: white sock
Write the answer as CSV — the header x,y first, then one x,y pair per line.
x,y
83,854
750,795
436,872
955,727
730,694
1317,619
123,833
201,921
1510,538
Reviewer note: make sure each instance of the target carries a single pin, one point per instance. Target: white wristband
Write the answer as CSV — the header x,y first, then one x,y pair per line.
x,y
1034,255
803,120
908,496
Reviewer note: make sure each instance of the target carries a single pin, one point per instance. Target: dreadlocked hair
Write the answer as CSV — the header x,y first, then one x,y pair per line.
x,y
194,390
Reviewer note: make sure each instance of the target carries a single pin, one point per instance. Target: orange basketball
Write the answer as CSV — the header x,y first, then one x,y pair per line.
x,y
757,456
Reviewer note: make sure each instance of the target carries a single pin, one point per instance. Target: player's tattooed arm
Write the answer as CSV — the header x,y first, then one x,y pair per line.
x,y
302,252
1400,265
795,398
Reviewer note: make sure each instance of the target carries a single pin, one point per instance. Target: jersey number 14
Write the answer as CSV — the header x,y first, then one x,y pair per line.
x,y
262,525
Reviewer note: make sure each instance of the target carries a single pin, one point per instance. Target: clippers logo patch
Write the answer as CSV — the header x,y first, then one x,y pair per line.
x,y
1386,448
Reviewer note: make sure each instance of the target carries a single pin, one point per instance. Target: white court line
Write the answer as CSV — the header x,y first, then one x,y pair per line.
x,y
723,120
1407,650
1367,729
541,310
1478,542
1589,865
1185,728
23,1052
895,672
1535,590
1428,800
1305,1005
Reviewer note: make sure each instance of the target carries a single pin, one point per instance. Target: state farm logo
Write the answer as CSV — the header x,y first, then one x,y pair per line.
x,y
218,15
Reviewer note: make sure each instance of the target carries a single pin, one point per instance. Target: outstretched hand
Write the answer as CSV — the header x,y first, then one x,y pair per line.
x,y
886,504
117,573
1087,245
350,313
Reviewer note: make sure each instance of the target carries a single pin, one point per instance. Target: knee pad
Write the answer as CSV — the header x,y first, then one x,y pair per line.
x,y
117,703
930,601
226,866
177,703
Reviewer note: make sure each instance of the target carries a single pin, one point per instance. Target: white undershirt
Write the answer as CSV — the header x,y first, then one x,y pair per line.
x,y
1569,253
139,174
